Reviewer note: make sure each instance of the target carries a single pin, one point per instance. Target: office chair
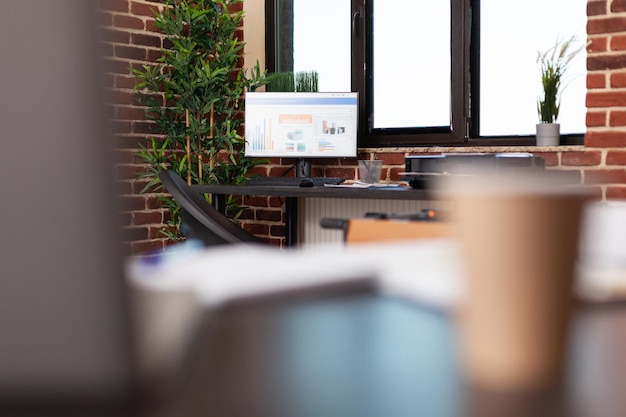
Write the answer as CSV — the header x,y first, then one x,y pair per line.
x,y
201,220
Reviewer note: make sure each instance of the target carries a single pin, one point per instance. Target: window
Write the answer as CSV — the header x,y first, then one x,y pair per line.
x,y
511,61
446,72
407,91
311,35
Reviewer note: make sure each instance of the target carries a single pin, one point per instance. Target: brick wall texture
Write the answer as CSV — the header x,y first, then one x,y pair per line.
x,y
131,40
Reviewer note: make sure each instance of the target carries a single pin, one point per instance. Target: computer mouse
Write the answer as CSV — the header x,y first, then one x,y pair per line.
x,y
306,182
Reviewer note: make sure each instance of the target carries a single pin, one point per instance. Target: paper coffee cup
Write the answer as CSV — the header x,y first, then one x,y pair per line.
x,y
519,239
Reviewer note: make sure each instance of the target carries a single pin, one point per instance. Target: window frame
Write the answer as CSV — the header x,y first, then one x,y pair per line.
x,y
465,83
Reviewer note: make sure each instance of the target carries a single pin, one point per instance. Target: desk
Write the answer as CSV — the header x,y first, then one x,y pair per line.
x,y
292,194
365,355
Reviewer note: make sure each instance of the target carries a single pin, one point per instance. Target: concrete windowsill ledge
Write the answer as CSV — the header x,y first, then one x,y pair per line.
x,y
477,149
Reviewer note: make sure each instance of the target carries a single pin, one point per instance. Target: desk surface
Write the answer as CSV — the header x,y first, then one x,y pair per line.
x,y
390,193
365,355
293,193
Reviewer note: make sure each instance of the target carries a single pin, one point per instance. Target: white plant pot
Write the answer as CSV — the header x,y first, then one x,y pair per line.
x,y
548,134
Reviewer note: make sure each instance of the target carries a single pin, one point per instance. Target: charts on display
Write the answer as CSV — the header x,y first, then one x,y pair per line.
x,y
301,125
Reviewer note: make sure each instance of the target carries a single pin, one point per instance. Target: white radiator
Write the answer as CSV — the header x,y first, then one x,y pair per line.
x,y
312,210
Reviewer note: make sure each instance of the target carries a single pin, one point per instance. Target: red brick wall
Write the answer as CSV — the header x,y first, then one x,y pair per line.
x,y
131,40
606,97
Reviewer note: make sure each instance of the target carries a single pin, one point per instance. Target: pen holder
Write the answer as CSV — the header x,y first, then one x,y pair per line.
x,y
369,171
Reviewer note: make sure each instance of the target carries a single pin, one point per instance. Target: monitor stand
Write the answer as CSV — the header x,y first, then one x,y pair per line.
x,y
303,168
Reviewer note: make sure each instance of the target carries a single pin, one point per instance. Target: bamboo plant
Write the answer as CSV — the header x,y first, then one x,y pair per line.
x,y
193,94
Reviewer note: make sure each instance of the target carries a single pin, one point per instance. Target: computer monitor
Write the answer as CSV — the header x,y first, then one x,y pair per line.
x,y
301,125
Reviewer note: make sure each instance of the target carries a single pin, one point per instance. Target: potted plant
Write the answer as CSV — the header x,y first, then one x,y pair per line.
x,y
288,81
553,63
193,94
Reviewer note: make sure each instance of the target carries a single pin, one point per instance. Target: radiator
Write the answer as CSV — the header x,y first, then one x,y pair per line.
x,y
312,210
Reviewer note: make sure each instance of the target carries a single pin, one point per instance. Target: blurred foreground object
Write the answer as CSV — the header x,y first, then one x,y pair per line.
x,y
602,265
519,238
64,328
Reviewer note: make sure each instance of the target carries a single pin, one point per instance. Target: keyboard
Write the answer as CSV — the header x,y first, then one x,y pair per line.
x,y
294,181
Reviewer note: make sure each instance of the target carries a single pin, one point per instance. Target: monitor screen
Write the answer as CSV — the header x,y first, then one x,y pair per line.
x,y
301,125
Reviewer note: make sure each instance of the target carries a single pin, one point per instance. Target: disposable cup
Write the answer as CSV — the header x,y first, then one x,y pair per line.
x,y
519,240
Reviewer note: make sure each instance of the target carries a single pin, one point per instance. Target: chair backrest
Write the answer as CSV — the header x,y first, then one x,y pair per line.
x,y
201,220
378,227
377,230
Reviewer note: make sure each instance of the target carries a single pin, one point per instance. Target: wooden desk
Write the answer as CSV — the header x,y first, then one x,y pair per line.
x,y
292,194
388,193
364,355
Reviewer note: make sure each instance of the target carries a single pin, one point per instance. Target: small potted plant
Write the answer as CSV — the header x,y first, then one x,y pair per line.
x,y
553,63
289,81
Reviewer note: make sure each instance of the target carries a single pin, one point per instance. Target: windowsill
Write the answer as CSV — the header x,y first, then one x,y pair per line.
x,y
475,149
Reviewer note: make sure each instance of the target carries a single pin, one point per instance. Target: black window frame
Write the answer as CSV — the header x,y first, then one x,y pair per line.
x,y
465,81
